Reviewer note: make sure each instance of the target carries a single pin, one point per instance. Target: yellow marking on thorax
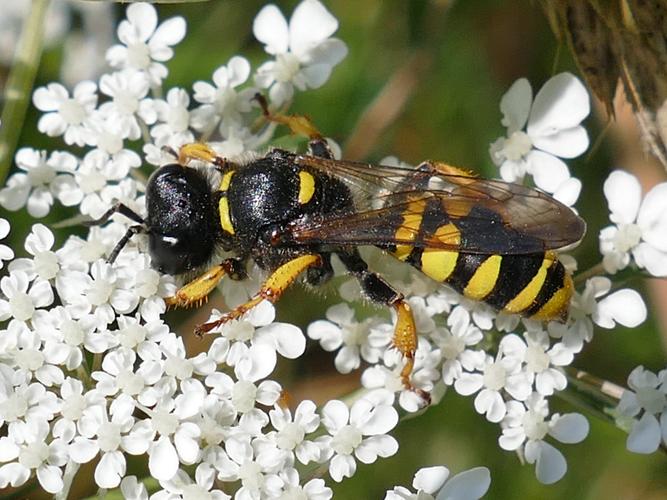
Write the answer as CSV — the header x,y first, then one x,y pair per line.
x,y
407,231
225,217
306,187
525,298
484,279
557,306
226,180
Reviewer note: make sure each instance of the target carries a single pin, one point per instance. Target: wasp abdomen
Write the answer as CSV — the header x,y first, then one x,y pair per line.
x,y
536,286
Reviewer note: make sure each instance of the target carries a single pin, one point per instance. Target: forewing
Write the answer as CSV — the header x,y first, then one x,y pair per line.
x,y
401,206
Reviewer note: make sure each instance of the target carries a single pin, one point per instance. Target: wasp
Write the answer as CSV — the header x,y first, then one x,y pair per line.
x,y
489,240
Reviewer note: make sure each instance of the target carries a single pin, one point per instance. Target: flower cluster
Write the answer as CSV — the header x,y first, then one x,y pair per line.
x,y
89,370
642,410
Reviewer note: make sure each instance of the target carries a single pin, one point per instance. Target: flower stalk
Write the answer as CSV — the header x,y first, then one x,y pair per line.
x,y
20,82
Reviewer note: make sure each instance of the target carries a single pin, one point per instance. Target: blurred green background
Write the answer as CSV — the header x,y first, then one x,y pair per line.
x,y
447,64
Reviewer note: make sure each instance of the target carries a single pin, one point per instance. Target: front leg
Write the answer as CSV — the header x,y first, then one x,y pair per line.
x,y
196,291
299,125
271,290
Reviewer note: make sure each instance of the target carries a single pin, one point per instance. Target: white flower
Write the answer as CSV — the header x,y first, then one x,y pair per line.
x,y
22,405
100,434
305,55
424,374
504,373
647,398
173,123
371,416
539,359
65,115
286,485
526,424
44,264
145,44
290,431
222,104
34,452
454,342
434,483
6,253
183,486
39,182
251,366
21,302
242,460
640,226
178,440
552,130
624,306
356,339
128,89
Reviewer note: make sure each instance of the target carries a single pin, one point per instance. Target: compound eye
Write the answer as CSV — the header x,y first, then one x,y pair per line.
x,y
167,254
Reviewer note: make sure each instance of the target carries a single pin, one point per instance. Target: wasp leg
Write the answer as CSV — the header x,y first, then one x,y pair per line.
x,y
271,290
131,231
405,333
298,125
454,174
196,291
204,152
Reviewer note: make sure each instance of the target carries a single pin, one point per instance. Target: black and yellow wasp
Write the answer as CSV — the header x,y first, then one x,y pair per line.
x,y
489,240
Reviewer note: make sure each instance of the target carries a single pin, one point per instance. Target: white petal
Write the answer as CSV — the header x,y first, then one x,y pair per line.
x,y
143,20
568,143
562,103
491,404
515,105
287,339
467,485
548,171
623,194
169,33
652,217
335,415
316,75
342,466
376,446
110,470
430,479
645,435
468,383
83,450
550,465
570,428
270,28
310,24
625,307
651,259
568,192
163,460
50,478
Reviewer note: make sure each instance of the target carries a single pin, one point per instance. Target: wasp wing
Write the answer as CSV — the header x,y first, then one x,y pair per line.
x,y
406,206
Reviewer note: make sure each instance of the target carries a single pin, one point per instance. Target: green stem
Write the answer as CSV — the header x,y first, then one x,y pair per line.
x,y
20,82
596,395
596,270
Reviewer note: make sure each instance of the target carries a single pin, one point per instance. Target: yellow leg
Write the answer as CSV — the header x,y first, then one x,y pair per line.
x,y
405,340
197,290
200,151
298,124
271,290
